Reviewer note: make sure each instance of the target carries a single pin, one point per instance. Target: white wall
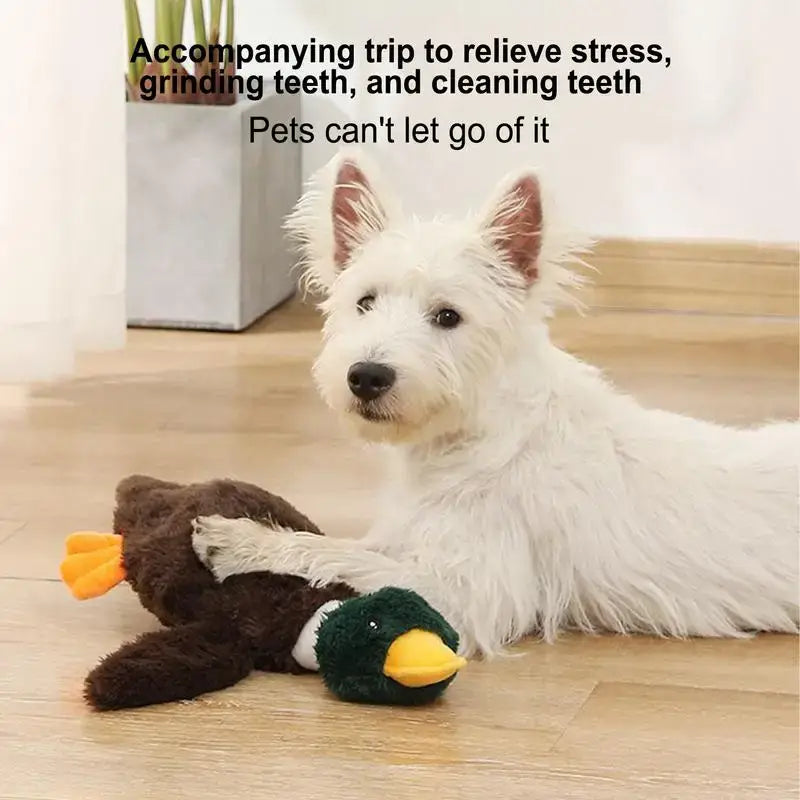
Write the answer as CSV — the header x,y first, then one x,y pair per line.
x,y
708,150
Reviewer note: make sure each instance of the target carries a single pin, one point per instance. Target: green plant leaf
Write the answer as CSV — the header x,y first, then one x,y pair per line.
x,y
216,18
164,29
133,27
229,27
199,20
178,17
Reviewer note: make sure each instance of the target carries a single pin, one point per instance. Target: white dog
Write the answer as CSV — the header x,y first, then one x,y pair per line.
x,y
529,495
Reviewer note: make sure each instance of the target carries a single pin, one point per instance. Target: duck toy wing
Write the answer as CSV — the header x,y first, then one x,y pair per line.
x,y
389,647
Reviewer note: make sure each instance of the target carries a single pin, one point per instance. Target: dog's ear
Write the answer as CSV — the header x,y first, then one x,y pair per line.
x,y
512,223
356,210
341,209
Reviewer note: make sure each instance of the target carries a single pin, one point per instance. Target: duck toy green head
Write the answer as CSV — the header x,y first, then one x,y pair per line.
x,y
390,647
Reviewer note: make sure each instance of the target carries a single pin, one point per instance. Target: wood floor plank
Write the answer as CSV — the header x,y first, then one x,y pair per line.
x,y
701,743
765,663
8,527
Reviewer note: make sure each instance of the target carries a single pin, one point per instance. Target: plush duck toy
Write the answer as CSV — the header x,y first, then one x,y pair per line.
x,y
389,647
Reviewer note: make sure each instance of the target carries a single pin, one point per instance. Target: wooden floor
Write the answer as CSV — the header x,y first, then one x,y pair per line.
x,y
596,718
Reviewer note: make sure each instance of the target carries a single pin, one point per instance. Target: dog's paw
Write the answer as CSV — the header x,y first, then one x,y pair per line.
x,y
223,545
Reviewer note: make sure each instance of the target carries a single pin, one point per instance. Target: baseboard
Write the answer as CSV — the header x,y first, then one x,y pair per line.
x,y
694,277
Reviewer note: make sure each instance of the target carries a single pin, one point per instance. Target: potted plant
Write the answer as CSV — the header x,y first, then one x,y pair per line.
x,y
205,247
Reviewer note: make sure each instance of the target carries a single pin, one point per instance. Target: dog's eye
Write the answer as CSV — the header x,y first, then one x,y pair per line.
x,y
447,318
365,303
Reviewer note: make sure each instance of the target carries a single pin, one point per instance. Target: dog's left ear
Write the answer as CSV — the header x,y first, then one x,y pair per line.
x,y
343,207
512,223
356,211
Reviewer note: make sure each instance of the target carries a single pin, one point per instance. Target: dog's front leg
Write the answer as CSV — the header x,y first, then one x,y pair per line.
x,y
231,546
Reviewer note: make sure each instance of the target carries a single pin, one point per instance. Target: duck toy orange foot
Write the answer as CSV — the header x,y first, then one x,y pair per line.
x,y
389,647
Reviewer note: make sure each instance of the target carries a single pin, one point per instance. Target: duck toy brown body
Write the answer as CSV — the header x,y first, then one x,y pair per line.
x,y
389,647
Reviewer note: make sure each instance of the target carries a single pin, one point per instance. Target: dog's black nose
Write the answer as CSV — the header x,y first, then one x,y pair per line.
x,y
368,379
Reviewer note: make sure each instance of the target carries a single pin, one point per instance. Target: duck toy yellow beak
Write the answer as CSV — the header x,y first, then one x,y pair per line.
x,y
420,658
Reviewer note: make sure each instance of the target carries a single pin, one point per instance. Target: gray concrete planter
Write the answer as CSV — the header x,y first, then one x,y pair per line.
x,y
205,247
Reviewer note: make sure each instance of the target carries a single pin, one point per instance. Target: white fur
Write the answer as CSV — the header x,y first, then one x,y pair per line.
x,y
528,494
